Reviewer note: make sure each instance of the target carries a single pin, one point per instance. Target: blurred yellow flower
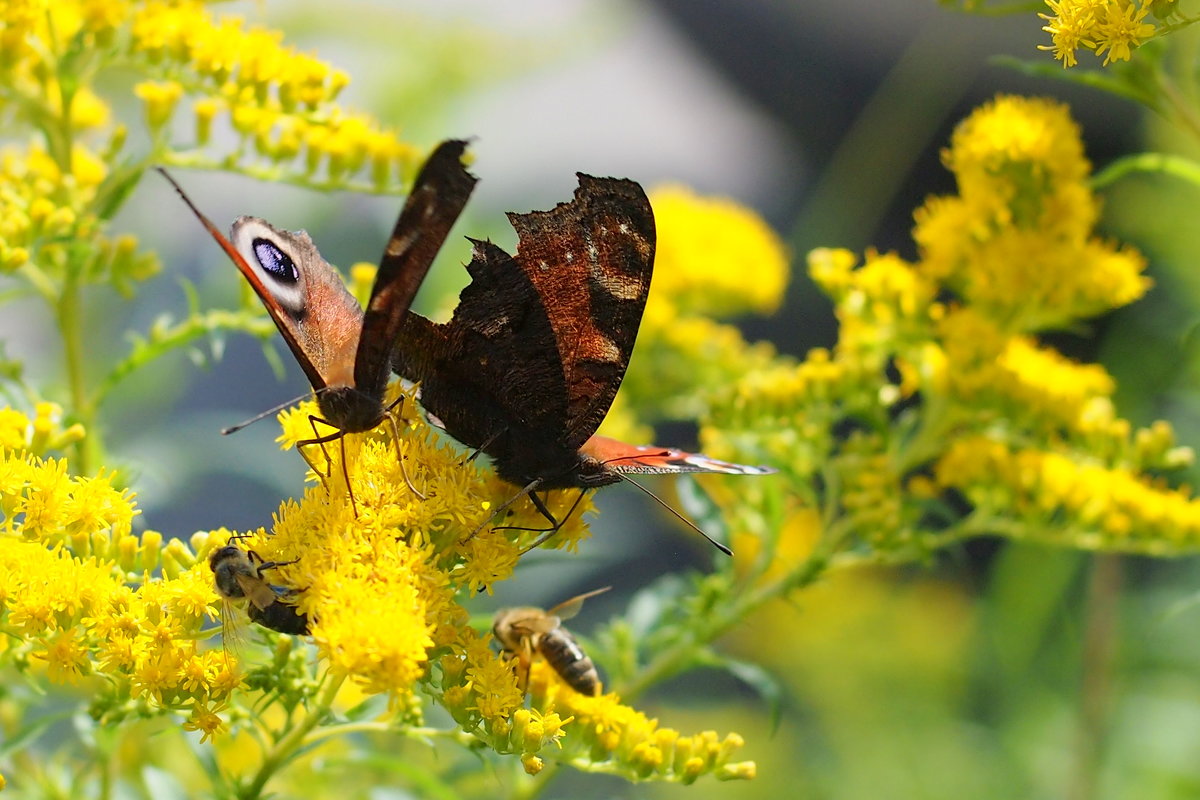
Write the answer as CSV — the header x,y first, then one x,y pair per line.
x,y
714,256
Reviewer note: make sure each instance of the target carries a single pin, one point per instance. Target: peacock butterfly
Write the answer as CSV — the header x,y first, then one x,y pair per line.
x,y
344,351
529,364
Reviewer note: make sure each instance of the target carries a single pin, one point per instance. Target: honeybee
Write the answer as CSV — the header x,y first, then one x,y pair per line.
x,y
237,574
522,631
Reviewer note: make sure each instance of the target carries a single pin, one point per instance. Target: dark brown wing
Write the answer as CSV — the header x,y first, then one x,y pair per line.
x,y
529,364
590,262
439,194
492,374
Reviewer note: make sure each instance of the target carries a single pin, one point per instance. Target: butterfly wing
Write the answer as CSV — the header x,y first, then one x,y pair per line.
x,y
526,370
590,262
648,459
307,300
439,194
491,375
319,319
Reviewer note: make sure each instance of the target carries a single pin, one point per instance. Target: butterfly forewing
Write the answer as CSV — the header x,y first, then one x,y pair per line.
x,y
594,256
319,319
439,194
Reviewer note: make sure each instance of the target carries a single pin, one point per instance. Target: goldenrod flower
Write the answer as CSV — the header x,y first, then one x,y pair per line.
x,y
714,256
1013,241
605,735
1112,26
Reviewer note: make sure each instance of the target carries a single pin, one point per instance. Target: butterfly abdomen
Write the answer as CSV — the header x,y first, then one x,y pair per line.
x,y
564,654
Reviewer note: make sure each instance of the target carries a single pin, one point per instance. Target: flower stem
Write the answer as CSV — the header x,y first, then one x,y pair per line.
x,y
292,741
88,449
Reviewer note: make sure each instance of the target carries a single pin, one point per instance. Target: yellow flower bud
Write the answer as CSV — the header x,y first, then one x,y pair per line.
x,y
160,100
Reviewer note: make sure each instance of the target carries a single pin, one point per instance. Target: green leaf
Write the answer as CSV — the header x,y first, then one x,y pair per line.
x,y
762,682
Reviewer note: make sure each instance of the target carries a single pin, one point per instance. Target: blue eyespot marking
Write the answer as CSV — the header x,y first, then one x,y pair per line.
x,y
276,262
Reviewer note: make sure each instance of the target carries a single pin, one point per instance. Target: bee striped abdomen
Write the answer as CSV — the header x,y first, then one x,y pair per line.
x,y
564,654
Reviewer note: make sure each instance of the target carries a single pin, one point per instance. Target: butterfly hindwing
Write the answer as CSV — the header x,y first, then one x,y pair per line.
x,y
530,362
491,375
649,459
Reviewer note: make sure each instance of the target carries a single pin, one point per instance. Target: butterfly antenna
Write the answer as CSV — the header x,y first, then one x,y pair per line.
x,y
264,415
679,516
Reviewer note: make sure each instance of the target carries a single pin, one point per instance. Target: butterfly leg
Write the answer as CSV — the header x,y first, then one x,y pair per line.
x,y
322,440
346,475
483,447
391,418
555,526
500,508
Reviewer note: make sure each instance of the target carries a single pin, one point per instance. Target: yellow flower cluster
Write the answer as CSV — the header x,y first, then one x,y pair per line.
x,y
1100,507
1109,28
1017,243
77,599
279,101
37,436
714,256
940,351
379,580
606,736
44,208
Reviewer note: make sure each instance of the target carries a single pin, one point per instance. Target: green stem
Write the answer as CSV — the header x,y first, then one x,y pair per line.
x,y
453,734
1103,594
88,452
1176,166
292,741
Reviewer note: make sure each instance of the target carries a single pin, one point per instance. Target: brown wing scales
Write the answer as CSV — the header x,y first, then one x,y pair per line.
x,y
591,261
440,193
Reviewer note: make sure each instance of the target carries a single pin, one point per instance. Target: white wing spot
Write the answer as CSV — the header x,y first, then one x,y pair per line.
x,y
623,228
543,266
495,325
606,350
570,257
616,283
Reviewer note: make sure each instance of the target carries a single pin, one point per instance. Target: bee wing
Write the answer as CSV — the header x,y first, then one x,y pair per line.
x,y
257,590
233,623
569,608
535,625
